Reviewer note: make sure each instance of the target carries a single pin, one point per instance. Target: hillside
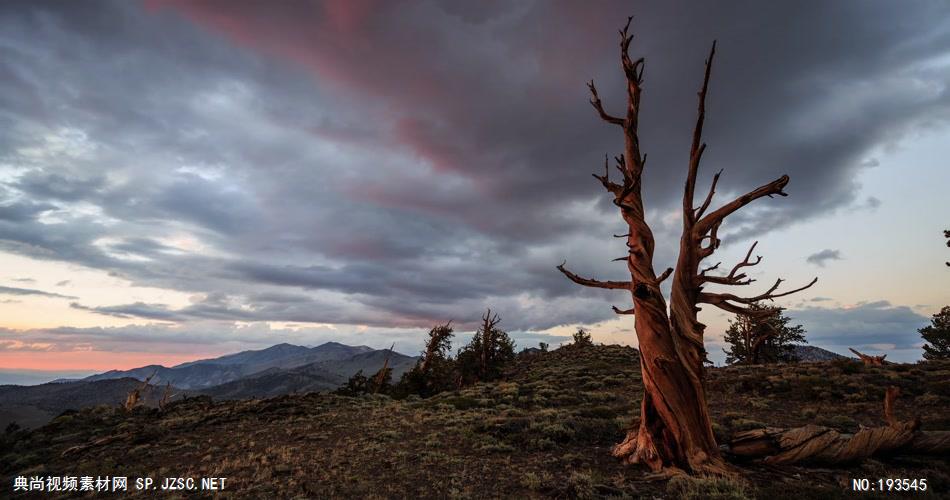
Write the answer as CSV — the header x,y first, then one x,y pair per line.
x,y
809,353
34,405
544,432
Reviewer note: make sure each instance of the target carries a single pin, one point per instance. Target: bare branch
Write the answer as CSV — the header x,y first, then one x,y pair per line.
x,y
732,278
739,280
697,147
722,299
633,69
663,276
716,217
599,106
614,285
709,197
714,241
613,187
623,311
710,268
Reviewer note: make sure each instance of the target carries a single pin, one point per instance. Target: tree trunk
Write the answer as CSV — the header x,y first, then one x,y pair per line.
x,y
674,429
820,445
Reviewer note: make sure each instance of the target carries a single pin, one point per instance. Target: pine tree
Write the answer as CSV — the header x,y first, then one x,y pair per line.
x,y
937,336
356,385
582,338
762,337
433,372
486,356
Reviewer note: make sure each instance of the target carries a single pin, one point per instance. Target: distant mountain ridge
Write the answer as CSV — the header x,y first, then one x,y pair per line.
x,y
274,371
808,353
205,373
313,377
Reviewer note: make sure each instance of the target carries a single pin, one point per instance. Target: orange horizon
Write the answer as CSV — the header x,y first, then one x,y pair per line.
x,y
96,361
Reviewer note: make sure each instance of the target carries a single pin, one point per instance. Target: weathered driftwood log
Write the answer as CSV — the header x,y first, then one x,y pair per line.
x,y
870,360
817,444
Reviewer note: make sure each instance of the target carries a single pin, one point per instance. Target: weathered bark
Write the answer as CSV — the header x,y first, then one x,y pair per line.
x,y
870,360
821,445
675,430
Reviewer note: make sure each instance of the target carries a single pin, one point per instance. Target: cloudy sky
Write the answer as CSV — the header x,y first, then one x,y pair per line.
x,y
181,179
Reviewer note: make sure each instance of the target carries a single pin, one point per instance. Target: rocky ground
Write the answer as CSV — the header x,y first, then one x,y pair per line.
x,y
546,431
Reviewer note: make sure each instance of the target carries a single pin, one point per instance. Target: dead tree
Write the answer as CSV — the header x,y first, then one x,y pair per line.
x,y
132,399
381,375
821,445
489,331
870,360
674,429
166,396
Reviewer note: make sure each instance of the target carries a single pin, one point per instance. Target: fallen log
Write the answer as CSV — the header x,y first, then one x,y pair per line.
x,y
823,445
869,360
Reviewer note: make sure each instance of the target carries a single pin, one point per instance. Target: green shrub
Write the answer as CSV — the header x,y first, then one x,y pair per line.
x,y
745,424
712,488
580,485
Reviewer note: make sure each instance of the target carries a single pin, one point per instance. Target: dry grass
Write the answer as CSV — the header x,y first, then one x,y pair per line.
x,y
543,432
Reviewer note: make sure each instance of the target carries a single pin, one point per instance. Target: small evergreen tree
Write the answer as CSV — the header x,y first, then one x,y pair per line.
x,y
433,372
582,338
356,385
762,336
937,336
486,356
543,346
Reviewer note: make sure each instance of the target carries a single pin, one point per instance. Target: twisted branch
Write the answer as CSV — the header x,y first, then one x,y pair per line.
x,y
614,285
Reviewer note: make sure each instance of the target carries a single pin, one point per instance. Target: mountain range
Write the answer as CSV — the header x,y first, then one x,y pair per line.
x,y
276,370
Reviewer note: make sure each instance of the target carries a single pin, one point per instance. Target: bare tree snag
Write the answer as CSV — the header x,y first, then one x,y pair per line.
x,y
132,399
816,444
381,376
674,431
870,360
489,324
166,396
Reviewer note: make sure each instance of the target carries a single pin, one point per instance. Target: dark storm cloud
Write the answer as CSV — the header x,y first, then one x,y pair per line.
x,y
405,163
821,258
873,325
